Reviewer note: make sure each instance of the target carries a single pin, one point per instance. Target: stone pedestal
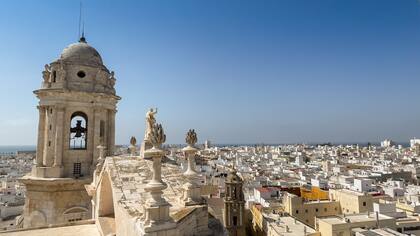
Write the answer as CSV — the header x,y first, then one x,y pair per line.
x,y
157,208
145,145
48,199
133,150
192,193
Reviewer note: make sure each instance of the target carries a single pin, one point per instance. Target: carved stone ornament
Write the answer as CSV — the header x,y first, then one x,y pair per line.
x,y
191,138
157,136
133,141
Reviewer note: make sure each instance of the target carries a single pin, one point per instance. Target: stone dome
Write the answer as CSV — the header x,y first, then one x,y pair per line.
x,y
81,53
233,177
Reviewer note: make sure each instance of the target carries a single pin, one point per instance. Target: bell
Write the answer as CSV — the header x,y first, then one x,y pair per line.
x,y
79,130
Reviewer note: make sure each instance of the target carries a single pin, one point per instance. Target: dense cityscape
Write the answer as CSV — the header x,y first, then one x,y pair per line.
x,y
287,189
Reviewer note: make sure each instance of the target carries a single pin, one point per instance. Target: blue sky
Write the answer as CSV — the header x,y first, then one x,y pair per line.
x,y
237,71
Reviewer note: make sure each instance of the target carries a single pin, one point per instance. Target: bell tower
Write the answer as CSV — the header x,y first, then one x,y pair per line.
x,y
77,106
234,211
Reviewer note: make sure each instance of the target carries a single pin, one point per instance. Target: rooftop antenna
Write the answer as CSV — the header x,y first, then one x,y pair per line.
x,y
80,17
81,25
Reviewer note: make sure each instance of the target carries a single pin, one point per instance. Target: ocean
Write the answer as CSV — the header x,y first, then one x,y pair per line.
x,y
14,148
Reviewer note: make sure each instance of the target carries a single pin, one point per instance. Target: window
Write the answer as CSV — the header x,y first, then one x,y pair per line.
x,y
77,169
102,129
325,209
81,74
316,209
54,76
306,210
78,130
76,219
297,211
364,204
235,220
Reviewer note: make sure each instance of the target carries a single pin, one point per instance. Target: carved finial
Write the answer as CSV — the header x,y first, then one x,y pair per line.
x,y
133,141
47,68
157,136
191,138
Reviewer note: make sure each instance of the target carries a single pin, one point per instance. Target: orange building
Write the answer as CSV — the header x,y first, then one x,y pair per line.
x,y
315,193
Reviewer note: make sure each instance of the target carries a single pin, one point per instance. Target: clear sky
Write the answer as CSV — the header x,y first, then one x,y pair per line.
x,y
237,71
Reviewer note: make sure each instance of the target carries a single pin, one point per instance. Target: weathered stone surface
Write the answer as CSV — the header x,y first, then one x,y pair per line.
x,y
75,85
128,179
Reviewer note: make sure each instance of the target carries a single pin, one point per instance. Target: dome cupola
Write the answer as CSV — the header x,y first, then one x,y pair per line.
x,y
79,68
81,53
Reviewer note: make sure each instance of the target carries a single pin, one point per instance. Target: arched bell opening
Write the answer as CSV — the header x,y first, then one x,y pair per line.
x,y
78,131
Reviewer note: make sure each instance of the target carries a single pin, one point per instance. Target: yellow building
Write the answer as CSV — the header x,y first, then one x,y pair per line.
x,y
257,220
352,202
306,211
315,193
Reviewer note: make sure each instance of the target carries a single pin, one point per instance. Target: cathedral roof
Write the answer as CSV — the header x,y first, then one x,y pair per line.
x,y
130,176
81,53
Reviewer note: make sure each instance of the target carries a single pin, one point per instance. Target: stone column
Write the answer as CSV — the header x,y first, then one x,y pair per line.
x,y
157,208
133,150
189,153
240,214
155,185
41,132
47,141
52,119
111,133
59,135
192,193
96,139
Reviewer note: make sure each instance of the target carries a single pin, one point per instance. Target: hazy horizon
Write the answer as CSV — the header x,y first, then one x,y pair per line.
x,y
236,71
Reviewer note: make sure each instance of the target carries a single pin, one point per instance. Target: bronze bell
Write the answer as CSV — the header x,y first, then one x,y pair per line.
x,y
79,130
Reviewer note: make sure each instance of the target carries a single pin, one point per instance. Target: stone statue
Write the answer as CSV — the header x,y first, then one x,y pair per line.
x,y
157,136
46,73
111,81
112,75
191,138
62,73
133,141
150,122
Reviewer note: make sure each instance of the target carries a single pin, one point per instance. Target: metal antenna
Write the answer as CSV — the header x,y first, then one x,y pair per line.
x,y
82,38
80,17
83,29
